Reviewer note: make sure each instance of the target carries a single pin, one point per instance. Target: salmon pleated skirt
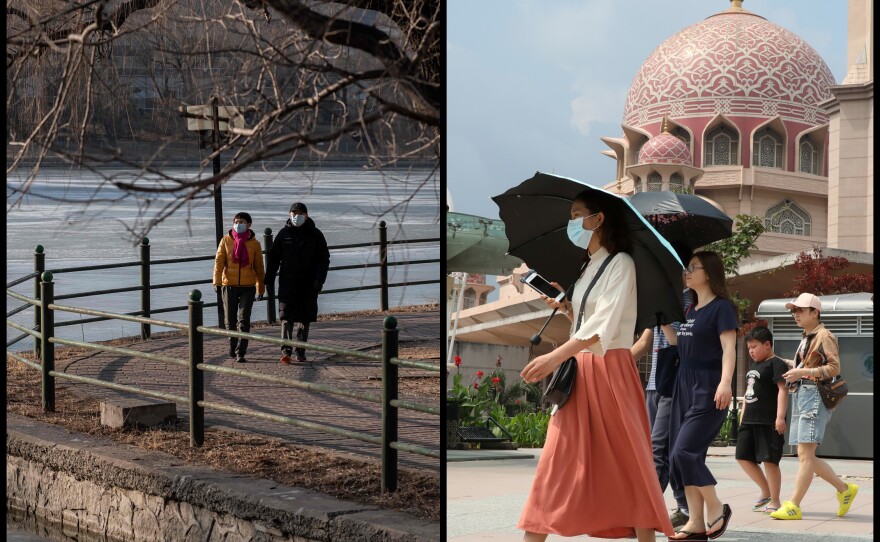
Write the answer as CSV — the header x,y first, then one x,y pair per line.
x,y
596,473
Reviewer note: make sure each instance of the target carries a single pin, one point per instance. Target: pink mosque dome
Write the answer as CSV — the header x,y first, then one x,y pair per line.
x,y
734,63
665,149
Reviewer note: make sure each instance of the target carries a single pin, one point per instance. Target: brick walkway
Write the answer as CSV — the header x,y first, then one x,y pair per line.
x,y
342,412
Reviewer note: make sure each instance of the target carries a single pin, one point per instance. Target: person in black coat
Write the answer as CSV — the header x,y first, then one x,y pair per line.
x,y
300,257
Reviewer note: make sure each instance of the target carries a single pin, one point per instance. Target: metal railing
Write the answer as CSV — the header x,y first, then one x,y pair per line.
x,y
145,287
195,363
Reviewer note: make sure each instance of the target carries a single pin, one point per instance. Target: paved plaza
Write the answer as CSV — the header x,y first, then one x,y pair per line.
x,y
361,333
485,497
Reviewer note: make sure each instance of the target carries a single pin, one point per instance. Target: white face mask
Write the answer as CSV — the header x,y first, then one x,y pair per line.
x,y
240,228
576,232
297,220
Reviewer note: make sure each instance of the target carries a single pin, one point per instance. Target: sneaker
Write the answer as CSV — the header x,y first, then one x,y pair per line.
x,y
240,359
301,358
678,518
846,498
788,511
285,359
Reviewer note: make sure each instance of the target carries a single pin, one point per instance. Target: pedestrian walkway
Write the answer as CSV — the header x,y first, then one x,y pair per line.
x,y
353,414
484,500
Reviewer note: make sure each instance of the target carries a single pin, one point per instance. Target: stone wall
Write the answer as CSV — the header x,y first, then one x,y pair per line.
x,y
136,495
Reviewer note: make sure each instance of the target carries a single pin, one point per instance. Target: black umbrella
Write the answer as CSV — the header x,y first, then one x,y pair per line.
x,y
683,218
536,215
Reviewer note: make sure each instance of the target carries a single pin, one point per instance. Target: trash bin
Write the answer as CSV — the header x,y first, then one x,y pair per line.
x,y
850,432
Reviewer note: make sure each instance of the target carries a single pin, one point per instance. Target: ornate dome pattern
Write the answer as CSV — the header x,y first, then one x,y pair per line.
x,y
665,149
733,64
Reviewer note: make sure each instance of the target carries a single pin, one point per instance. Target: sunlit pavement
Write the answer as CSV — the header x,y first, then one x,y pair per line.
x,y
484,500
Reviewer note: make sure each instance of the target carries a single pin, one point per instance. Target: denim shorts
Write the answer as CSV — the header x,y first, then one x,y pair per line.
x,y
809,416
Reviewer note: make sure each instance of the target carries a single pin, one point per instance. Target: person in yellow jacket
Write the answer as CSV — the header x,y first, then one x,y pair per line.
x,y
238,269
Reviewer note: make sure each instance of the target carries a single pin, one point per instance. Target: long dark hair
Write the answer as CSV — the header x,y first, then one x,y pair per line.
x,y
714,268
613,233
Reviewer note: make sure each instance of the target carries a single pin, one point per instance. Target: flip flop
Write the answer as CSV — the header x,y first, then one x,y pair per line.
x,y
769,509
724,518
690,536
760,504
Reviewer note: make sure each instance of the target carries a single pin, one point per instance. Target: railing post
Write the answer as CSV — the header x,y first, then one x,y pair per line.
x,y
389,413
39,267
196,382
383,264
270,288
145,285
47,328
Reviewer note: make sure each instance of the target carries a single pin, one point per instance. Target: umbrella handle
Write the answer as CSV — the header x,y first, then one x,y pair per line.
x,y
536,338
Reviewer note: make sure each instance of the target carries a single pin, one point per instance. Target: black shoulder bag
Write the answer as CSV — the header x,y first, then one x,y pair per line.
x,y
563,379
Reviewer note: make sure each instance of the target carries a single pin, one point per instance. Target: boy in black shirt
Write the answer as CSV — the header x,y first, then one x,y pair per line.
x,y
762,421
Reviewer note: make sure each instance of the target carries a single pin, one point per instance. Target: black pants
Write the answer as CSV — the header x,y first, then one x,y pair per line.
x,y
302,334
237,304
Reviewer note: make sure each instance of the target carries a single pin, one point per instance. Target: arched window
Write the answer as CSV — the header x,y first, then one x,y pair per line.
x,y
767,149
787,217
676,183
809,156
470,298
682,134
721,147
655,182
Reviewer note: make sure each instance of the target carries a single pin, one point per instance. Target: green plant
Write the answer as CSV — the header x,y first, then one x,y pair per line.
x,y
528,429
520,397
747,229
474,400
726,431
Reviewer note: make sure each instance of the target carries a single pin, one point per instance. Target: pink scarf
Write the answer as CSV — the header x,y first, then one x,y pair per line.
x,y
239,251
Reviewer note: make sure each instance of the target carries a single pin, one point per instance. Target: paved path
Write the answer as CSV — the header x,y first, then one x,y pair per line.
x,y
352,414
485,498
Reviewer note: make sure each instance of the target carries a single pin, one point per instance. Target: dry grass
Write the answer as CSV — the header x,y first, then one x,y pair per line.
x,y
348,477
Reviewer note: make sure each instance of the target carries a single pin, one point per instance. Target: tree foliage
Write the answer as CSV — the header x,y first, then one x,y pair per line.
x,y
823,275
747,229
98,83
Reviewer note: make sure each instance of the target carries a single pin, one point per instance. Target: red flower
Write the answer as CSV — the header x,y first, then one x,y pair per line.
x,y
496,380
476,385
517,401
457,360
479,374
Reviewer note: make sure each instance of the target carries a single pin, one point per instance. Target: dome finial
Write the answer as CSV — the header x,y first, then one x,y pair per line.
x,y
665,128
736,5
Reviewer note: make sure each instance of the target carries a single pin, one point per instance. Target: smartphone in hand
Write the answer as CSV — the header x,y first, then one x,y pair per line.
x,y
541,285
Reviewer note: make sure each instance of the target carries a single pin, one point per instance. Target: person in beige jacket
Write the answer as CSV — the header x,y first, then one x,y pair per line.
x,y
238,270
817,358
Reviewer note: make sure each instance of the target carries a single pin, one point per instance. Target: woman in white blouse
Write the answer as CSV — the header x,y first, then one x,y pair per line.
x,y
596,472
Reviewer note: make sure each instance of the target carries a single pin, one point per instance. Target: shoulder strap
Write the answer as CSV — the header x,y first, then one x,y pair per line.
x,y
590,287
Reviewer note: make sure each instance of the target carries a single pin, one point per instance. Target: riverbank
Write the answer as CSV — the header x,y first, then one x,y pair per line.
x,y
94,484
245,446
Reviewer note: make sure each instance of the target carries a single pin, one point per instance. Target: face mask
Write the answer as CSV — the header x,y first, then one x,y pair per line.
x,y
297,220
577,234
240,228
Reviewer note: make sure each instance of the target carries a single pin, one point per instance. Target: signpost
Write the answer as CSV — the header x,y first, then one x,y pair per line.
x,y
201,118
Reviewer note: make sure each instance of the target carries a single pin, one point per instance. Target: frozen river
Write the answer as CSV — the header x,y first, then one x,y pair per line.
x,y
346,205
